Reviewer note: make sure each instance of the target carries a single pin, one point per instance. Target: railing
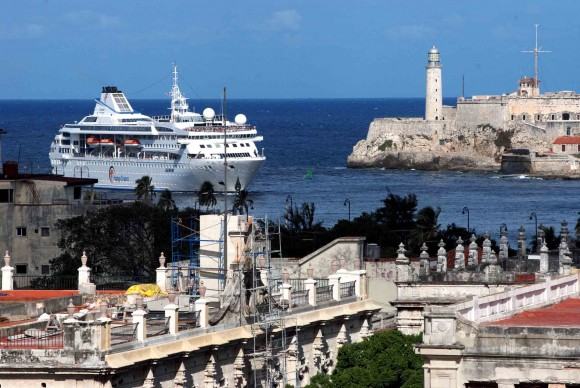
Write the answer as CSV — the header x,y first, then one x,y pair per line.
x,y
157,326
299,298
122,333
503,304
188,320
323,293
347,289
34,336
30,282
296,283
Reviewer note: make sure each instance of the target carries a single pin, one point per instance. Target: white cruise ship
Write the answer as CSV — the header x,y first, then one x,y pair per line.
x,y
117,146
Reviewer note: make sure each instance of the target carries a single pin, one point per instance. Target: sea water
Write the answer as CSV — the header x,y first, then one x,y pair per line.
x,y
307,142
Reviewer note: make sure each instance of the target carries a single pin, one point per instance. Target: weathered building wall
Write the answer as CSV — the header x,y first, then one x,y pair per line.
x,y
36,207
471,113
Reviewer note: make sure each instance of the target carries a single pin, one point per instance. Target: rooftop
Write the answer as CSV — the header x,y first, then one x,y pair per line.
x,y
562,314
52,178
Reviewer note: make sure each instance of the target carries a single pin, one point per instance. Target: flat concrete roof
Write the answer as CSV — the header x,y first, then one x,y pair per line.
x,y
562,314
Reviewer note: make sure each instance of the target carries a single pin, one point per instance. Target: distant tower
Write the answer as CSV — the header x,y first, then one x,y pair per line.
x,y
434,94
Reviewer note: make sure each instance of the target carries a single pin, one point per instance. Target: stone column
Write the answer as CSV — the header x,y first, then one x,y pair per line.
x,y
503,244
286,291
334,281
402,262
84,271
472,260
140,318
161,273
310,286
459,255
544,258
486,248
7,274
104,340
424,262
172,312
441,257
202,307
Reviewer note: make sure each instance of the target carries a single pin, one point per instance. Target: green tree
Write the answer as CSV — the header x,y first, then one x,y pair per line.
x,y
206,195
242,202
384,360
144,188
166,201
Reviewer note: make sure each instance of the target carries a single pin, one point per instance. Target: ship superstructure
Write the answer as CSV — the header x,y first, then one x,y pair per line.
x,y
117,146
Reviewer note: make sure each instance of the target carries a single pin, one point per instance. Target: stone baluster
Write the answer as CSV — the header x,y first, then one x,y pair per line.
x,y
161,273
402,263
210,374
172,312
522,249
459,256
7,274
334,281
441,257
424,262
150,381
472,260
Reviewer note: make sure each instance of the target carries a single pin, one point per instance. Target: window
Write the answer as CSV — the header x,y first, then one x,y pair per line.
x,y
6,196
77,192
21,269
553,117
566,116
235,145
513,117
45,231
21,231
563,147
537,117
568,130
45,269
524,117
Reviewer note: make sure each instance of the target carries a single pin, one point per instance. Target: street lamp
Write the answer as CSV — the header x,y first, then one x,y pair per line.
x,y
466,211
534,216
347,201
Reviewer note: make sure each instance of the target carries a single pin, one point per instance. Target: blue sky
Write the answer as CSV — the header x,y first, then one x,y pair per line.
x,y
279,48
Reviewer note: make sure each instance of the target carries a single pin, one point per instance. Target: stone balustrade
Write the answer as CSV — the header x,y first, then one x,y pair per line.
x,y
496,306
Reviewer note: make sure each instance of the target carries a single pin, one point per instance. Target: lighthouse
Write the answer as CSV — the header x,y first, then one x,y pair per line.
x,y
434,94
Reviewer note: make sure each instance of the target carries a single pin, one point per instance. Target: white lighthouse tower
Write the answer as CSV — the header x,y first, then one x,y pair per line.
x,y
434,94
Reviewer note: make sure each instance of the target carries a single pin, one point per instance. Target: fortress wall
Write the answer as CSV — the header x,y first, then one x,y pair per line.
x,y
449,113
412,126
473,113
543,105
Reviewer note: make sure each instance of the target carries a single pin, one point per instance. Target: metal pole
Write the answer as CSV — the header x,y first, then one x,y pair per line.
x,y
464,211
347,202
225,185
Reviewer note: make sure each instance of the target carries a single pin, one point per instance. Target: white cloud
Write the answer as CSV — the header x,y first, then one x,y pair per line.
x,y
409,32
288,19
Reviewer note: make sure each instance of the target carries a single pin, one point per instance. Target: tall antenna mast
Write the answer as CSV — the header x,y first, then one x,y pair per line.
x,y
536,51
225,183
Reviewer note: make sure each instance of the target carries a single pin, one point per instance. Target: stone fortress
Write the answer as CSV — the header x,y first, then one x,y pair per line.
x,y
521,132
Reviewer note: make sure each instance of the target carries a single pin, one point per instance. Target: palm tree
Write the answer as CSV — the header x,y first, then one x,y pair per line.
x,y
166,201
144,189
242,203
206,195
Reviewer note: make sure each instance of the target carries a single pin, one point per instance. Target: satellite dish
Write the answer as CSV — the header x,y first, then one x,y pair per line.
x,y
208,114
240,119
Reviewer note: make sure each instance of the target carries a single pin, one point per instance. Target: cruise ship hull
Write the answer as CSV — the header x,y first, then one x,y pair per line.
x,y
175,176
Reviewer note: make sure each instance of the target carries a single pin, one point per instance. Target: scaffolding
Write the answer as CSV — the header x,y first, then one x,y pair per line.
x,y
186,254
270,326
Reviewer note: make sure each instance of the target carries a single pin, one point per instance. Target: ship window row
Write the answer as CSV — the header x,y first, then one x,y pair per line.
x,y
135,120
240,136
227,145
113,128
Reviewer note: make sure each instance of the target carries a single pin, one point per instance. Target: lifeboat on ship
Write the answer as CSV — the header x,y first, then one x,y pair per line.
x,y
106,141
91,140
132,142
